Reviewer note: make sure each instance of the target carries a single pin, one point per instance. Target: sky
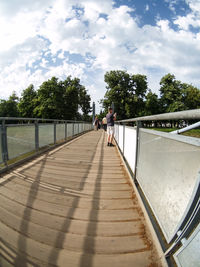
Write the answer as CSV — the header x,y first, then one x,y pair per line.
x,y
86,38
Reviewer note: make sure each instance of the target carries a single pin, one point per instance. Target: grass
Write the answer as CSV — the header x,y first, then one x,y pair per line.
x,y
191,133
167,130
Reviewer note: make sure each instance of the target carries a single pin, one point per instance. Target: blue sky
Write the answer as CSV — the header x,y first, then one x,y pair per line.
x,y
86,38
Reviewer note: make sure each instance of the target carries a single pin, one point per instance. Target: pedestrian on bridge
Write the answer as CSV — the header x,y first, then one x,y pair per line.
x,y
96,124
110,117
104,124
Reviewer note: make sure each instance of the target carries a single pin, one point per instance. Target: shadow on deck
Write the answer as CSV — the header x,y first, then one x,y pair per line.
x,y
73,206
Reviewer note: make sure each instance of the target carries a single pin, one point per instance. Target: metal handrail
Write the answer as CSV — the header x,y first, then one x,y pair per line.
x,y
185,129
193,114
37,119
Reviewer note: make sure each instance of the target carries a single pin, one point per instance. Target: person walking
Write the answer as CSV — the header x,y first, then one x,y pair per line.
x,y
104,124
110,117
96,124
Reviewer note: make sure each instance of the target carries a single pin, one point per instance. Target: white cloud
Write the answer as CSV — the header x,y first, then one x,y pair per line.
x,y
92,9
194,5
65,69
147,7
18,29
12,7
191,19
61,55
35,40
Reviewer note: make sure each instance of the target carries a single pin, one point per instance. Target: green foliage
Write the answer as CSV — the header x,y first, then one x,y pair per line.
x,y
131,98
191,96
102,114
126,92
152,104
177,96
8,108
62,99
171,94
49,99
70,100
84,102
28,102
54,100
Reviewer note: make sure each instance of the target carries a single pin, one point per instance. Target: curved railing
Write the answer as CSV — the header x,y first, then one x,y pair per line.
x,y
24,136
166,168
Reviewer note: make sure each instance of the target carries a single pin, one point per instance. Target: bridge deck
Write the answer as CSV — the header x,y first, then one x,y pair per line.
x,y
73,206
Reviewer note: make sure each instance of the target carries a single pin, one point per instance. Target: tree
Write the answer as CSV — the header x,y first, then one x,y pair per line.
x,y
9,108
117,82
191,96
84,102
126,91
177,96
152,104
171,94
136,95
28,102
49,99
61,99
71,97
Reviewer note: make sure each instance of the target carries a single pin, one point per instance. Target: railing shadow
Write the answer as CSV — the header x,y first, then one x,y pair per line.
x,y
21,260
61,236
89,244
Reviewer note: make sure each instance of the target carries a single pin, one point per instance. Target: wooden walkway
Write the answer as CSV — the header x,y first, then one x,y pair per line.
x,y
73,207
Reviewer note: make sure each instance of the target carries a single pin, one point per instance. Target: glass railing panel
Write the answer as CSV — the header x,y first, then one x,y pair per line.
x,y
80,127
116,134
75,128
121,137
1,160
69,129
167,172
20,140
46,134
188,254
89,127
130,146
60,131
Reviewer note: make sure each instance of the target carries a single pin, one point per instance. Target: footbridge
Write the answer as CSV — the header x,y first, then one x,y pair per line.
x,y
67,199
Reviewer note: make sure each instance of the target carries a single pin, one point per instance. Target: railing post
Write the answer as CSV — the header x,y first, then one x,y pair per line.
x,y
4,145
78,128
139,125
65,130
73,129
54,132
118,133
36,136
123,137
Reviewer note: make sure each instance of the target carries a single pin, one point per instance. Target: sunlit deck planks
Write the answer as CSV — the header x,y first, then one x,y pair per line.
x,y
73,207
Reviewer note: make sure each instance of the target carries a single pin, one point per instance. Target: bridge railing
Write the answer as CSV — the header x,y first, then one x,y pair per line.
x,y
24,136
166,170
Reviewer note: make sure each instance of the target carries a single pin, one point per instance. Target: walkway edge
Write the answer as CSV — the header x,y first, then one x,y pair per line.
x,y
146,216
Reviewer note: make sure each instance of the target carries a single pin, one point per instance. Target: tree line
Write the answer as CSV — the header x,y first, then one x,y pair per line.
x,y
54,99
132,98
69,100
